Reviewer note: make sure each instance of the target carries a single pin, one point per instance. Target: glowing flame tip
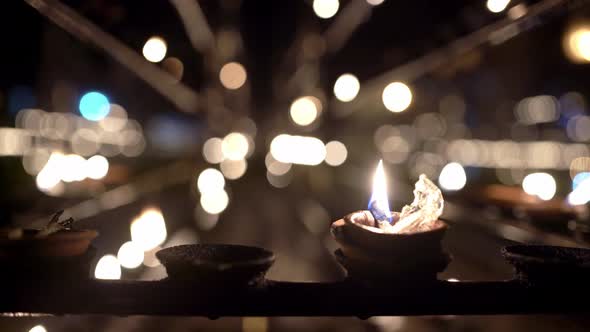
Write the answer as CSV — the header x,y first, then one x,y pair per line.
x,y
379,204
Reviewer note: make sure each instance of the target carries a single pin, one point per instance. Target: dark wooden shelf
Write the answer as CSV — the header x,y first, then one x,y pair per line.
x,y
289,299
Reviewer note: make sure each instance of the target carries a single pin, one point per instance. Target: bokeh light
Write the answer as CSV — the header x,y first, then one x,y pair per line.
x,y
452,177
97,167
375,2
210,180
336,153
233,75
304,111
155,49
276,167
576,44
73,168
174,67
116,119
233,169
108,268
325,8
214,202
497,6
149,229
298,149
130,255
540,184
235,146
581,193
212,150
94,106
38,328
397,97
347,87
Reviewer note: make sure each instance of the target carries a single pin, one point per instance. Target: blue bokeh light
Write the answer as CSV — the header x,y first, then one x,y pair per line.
x,y
94,106
579,178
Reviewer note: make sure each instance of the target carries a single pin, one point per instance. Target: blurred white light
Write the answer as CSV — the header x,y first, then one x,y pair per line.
x,y
276,167
375,2
108,268
538,109
50,174
116,120
496,6
35,159
85,142
346,88
149,229
336,153
235,146
304,111
232,75
205,221
397,97
577,44
214,202
212,150
210,180
233,169
581,194
14,141
155,49
298,149
73,168
130,255
452,177
578,128
38,328
325,8
97,167
541,185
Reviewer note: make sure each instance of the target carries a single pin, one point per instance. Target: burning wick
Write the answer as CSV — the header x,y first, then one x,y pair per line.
x,y
421,215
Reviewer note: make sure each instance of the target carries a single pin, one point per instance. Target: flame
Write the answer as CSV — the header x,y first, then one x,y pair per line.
x,y
379,204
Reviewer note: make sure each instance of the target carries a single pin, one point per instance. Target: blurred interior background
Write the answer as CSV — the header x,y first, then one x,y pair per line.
x,y
259,122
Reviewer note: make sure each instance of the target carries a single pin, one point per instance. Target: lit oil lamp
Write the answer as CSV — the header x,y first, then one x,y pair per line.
x,y
383,246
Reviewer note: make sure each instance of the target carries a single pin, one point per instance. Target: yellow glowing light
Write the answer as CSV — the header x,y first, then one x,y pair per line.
x,y
235,146
303,111
233,75
233,169
108,268
214,202
397,97
130,255
212,150
325,8
210,180
97,167
346,88
541,185
577,44
336,153
38,328
155,49
298,150
149,229
452,177
379,199
497,6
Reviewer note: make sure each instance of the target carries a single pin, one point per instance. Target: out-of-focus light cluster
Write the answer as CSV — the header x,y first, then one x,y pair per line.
x,y
108,268
233,75
452,177
94,106
581,192
576,44
233,169
540,184
497,6
302,150
397,97
38,328
346,88
325,8
113,135
235,146
70,168
214,198
375,2
130,255
212,150
305,110
14,141
538,109
336,153
154,49
149,229
578,128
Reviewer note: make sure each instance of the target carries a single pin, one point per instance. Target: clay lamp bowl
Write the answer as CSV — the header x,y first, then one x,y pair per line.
x,y
63,254
367,253
217,265
539,264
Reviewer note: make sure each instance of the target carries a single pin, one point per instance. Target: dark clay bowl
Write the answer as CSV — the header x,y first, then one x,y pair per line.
x,y
217,264
549,264
357,241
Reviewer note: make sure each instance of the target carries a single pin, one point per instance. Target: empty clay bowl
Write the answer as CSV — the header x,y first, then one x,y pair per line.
x,y
217,264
